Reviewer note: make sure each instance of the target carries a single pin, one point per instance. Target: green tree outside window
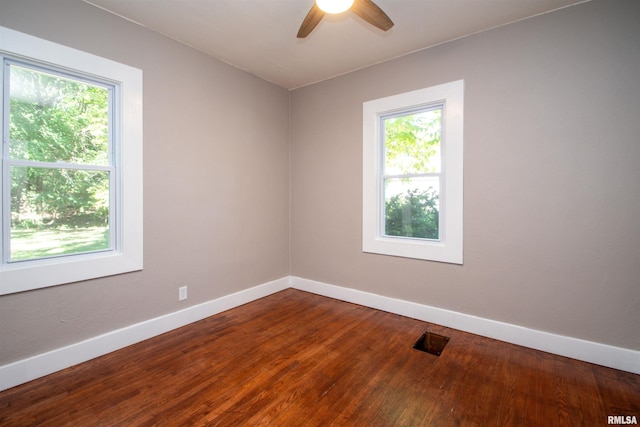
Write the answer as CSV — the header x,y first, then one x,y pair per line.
x,y
412,165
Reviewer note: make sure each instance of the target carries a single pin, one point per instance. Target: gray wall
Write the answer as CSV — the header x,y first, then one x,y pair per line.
x,y
552,240
552,175
215,183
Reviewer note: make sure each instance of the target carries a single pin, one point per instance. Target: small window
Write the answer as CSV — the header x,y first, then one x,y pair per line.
x,y
71,165
411,175
412,183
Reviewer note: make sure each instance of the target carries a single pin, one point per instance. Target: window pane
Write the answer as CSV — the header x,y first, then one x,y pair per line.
x,y
58,212
57,119
412,143
412,208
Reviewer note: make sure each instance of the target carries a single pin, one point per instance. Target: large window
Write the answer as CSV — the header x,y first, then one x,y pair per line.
x,y
412,191
71,165
60,164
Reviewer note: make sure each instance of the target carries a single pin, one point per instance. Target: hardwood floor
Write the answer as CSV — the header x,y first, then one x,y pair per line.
x,y
298,359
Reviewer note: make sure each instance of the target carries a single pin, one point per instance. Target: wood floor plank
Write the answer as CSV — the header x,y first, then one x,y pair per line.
x,y
295,358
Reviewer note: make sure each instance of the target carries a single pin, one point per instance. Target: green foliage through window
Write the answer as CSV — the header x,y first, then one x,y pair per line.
x,y
412,166
59,162
413,214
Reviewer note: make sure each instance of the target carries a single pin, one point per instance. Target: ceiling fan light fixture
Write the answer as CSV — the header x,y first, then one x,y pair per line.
x,y
334,6
365,9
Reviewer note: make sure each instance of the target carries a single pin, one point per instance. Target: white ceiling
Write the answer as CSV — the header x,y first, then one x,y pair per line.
x,y
259,36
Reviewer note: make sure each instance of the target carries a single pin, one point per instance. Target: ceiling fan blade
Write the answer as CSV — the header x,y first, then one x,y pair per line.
x,y
312,19
370,12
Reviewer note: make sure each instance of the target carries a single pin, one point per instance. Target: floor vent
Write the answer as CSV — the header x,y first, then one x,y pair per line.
x,y
431,343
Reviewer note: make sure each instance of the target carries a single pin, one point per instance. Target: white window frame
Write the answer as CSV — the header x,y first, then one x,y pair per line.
x,y
127,253
449,248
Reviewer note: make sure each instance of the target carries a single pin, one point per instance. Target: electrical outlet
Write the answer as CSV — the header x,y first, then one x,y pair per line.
x,y
182,293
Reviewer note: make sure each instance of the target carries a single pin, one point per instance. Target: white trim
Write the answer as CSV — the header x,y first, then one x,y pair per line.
x,y
450,246
588,351
128,84
25,370
37,366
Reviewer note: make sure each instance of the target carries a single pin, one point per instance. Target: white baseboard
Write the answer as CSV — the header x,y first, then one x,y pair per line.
x,y
25,370
592,352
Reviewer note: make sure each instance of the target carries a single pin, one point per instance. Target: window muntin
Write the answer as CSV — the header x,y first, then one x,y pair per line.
x,y
60,162
413,193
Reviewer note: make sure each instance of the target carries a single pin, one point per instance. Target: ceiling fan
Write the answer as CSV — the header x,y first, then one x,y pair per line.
x,y
365,9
